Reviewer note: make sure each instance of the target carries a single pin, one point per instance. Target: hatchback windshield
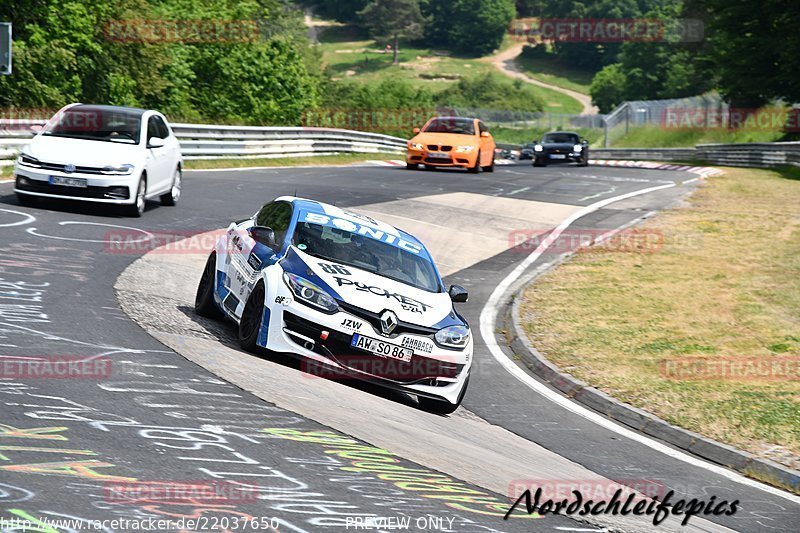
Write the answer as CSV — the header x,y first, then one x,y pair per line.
x,y
463,126
570,138
97,123
362,252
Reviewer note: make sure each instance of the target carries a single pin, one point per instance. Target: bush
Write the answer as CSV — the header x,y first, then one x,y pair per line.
x,y
608,88
491,92
469,26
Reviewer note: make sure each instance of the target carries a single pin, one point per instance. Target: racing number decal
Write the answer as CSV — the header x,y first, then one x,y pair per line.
x,y
334,269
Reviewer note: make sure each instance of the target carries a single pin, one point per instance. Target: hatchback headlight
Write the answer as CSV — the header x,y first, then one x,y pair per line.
x,y
310,293
538,148
453,336
118,169
577,148
27,161
464,149
415,146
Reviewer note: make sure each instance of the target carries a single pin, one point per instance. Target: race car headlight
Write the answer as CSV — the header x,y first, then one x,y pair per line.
x,y
309,293
538,148
118,169
415,146
28,161
453,336
577,148
464,149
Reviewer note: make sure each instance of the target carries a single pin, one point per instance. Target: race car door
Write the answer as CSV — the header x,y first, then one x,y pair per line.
x,y
250,253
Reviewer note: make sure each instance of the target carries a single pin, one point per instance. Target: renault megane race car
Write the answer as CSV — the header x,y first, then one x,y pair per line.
x,y
351,294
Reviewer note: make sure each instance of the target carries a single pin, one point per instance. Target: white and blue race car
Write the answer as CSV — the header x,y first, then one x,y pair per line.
x,y
353,295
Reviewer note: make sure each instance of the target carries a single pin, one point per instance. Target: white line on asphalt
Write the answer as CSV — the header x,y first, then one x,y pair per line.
x,y
487,328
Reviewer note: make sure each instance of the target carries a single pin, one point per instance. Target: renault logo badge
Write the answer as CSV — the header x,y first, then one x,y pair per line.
x,y
388,322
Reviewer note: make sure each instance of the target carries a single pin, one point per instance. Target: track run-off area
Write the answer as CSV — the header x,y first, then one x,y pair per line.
x,y
175,401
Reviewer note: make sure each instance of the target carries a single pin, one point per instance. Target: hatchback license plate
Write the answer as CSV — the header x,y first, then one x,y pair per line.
x,y
68,182
380,348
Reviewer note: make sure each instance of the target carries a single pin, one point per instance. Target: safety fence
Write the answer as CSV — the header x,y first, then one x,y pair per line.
x,y
203,141
758,155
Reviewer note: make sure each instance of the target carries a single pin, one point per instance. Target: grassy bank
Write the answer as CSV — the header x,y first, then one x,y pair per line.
x,y
549,70
655,137
350,56
725,284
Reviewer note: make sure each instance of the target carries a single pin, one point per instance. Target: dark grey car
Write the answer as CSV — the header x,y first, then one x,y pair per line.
x,y
561,147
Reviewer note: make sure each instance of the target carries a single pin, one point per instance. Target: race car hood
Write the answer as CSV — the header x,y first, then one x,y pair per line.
x,y
83,152
372,292
448,139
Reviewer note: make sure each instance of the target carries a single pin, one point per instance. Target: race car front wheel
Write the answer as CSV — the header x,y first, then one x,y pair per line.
x,y
204,299
250,324
442,407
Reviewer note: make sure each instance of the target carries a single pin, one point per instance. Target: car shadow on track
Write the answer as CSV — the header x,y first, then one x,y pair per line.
x,y
226,333
74,206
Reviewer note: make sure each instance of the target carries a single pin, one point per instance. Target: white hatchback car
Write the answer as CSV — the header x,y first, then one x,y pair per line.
x,y
107,154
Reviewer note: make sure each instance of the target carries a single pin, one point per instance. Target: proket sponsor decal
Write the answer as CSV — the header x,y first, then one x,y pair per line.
x,y
409,304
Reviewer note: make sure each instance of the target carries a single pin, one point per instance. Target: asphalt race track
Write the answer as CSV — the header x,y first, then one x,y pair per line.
x,y
177,402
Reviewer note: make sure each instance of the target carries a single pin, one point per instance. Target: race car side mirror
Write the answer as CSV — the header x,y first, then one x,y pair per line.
x,y
458,293
485,134
535,141
263,235
416,130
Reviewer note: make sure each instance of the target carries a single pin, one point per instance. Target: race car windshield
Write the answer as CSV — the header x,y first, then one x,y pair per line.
x,y
97,123
568,138
368,254
461,126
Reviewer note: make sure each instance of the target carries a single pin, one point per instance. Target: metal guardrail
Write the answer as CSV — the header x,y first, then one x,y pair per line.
x,y
202,141
758,155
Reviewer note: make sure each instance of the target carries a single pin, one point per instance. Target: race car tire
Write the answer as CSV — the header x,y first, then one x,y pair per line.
x,y
477,168
539,163
430,167
442,407
584,162
204,299
412,166
250,324
136,209
26,199
490,168
171,198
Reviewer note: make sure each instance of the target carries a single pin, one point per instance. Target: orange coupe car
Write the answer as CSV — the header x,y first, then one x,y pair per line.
x,y
452,142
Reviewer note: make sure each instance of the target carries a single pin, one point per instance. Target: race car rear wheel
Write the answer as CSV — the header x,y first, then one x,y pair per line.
x,y
442,407
250,324
204,299
539,163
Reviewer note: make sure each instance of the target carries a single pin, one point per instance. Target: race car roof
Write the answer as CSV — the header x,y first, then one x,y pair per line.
x,y
313,206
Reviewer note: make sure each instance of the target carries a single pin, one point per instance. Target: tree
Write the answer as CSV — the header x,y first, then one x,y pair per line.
x,y
608,88
393,19
470,26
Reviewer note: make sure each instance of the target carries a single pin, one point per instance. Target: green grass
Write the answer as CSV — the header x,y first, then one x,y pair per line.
x,y
349,55
508,135
549,70
656,137
611,319
331,160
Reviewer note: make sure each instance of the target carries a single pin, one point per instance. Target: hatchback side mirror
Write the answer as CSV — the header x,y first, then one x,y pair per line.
x,y
155,142
263,235
458,293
